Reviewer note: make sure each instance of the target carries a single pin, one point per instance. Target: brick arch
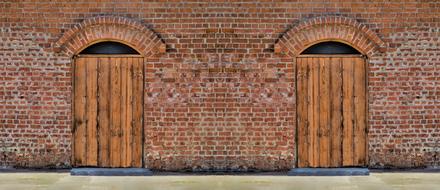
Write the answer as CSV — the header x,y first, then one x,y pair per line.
x,y
329,28
110,28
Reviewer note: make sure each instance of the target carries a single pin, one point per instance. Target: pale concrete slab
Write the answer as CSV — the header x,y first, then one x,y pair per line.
x,y
64,181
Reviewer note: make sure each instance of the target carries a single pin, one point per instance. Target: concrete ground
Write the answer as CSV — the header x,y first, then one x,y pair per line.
x,y
63,181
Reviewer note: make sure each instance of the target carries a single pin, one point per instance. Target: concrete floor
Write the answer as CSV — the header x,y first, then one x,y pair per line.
x,y
63,181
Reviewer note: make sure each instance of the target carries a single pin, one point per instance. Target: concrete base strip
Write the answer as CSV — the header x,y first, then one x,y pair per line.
x,y
328,172
111,172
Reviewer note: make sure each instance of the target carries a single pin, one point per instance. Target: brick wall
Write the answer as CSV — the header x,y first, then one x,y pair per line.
x,y
241,118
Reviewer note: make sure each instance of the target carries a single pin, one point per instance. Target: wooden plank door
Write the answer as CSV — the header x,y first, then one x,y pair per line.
x,y
108,111
331,111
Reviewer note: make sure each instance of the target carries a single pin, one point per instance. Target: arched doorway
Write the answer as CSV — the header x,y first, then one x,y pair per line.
x,y
331,106
108,106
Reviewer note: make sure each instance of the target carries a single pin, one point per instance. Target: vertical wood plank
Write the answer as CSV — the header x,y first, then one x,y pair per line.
x,y
347,77
92,111
367,97
127,111
124,109
324,112
313,112
79,132
130,112
104,112
129,123
310,157
315,103
137,115
359,112
302,103
115,117
336,112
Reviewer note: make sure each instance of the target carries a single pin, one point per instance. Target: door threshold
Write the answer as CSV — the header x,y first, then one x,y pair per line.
x,y
111,172
329,172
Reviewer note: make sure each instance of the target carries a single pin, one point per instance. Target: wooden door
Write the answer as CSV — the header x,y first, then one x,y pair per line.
x,y
331,111
108,111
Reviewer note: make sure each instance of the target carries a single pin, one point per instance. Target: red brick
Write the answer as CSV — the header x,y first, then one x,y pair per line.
x,y
244,118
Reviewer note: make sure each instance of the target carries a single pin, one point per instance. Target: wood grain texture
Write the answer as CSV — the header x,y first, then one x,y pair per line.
x,y
79,132
324,112
336,112
123,112
115,116
302,103
314,104
137,119
129,123
92,111
348,112
359,112
104,112
108,112
331,111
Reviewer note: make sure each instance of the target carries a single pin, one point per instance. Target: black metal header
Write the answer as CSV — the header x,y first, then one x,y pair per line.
x,y
109,48
330,47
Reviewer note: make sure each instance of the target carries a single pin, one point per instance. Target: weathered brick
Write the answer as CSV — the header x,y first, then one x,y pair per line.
x,y
241,116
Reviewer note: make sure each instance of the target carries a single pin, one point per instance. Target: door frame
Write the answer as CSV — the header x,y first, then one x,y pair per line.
x,y
367,71
72,109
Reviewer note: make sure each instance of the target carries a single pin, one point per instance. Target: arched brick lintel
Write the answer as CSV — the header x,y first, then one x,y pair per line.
x,y
329,28
110,28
